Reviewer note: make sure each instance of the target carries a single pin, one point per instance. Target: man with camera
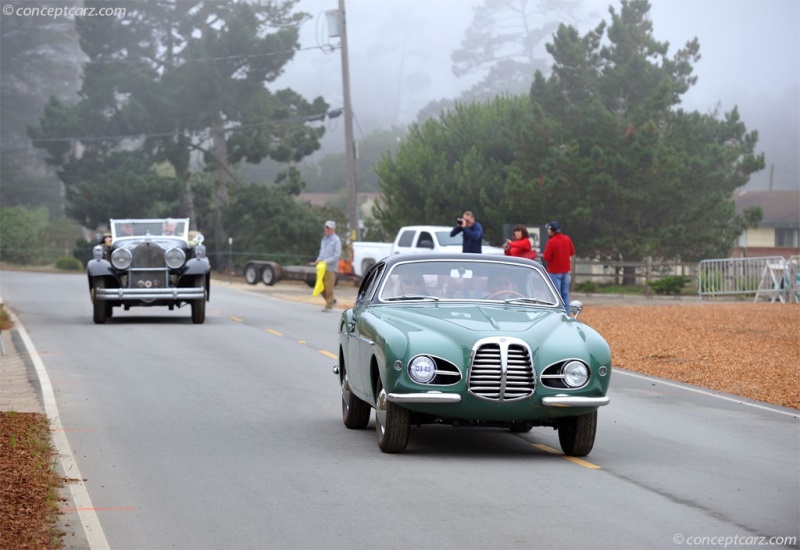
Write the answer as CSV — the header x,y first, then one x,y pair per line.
x,y
472,230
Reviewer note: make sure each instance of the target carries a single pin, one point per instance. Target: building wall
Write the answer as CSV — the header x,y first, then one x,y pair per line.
x,y
758,237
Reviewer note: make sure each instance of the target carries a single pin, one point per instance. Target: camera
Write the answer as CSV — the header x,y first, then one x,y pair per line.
x,y
460,221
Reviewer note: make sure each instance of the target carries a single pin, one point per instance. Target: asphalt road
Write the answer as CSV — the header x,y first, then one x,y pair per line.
x,y
229,435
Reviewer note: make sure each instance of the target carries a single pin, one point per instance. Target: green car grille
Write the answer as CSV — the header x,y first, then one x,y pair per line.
x,y
501,370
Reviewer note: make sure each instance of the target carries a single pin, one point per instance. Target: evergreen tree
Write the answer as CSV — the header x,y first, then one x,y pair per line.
x,y
601,145
177,83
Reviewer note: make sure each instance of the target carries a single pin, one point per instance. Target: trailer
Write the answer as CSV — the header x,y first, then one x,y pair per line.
x,y
269,272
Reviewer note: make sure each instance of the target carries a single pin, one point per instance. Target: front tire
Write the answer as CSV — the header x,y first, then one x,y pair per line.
x,y
576,434
355,412
199,305
100,313
392,423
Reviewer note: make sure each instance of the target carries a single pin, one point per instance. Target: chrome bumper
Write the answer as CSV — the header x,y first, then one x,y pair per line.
x,y
428,397
574,401
186,293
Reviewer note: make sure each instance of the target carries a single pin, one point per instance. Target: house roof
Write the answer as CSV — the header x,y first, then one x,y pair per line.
x,y
781,208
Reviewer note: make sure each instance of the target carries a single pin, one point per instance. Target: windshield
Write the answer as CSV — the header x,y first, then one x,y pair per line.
x,y
494,281
446,240
169,227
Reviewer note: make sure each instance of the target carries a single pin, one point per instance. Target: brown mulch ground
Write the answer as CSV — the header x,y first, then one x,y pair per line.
x,y
746,349
28,484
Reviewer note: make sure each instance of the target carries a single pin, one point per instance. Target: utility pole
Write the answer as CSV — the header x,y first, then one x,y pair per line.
x,y
350,152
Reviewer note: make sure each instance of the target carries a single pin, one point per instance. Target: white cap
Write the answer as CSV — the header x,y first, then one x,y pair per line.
x,y
330,224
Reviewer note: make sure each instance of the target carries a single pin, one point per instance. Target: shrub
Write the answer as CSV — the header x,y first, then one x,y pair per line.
x,y
672,284
69,263
586,286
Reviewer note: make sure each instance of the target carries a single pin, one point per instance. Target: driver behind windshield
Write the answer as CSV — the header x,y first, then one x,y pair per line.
x,y
412,284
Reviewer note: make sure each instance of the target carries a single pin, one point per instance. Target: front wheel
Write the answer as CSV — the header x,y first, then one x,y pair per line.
x,y
392,423
355,412
100,313
199,305
576,434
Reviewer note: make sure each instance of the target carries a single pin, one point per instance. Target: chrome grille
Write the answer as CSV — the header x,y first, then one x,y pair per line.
x,y
148,269
501,370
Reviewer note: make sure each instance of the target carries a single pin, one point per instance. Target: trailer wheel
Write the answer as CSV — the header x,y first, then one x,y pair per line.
x,y
268,275
251,274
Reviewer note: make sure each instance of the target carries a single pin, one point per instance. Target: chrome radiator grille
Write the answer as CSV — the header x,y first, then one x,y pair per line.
x,y
501,370
148,269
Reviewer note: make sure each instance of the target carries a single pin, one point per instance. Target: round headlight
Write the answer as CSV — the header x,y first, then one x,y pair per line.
x,y
121,258
422,369
174,258
575,374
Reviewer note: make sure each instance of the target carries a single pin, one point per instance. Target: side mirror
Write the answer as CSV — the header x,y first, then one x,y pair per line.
x,y
575,307
425,244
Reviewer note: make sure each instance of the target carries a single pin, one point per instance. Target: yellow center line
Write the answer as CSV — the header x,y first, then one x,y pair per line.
x,y
237,319
328,354
275,332
578,461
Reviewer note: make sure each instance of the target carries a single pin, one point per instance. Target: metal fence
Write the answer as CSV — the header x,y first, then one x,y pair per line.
x,y
769,277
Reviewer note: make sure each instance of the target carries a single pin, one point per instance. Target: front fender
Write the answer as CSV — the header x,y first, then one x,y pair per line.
x,y
197,266
98,268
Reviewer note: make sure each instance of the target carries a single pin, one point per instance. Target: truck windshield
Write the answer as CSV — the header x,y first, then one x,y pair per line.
x,y
446,240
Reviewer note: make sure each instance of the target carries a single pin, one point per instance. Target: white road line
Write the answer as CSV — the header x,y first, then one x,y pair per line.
x,y
708,393
80,495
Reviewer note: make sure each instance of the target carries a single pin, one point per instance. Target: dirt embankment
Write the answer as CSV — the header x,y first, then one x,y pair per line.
x,y
746,349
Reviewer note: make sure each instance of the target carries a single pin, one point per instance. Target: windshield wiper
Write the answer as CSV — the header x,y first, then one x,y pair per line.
x,y
528,301
406,297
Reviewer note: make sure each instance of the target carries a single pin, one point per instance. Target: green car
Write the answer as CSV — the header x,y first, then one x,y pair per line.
x,y
469,340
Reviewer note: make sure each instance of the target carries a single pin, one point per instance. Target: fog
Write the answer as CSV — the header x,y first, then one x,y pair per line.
x,y
400,61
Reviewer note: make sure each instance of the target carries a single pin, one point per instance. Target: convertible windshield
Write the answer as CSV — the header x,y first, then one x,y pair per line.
x,y
168,227
491,280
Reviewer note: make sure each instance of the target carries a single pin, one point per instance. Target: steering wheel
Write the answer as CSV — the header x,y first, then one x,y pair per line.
x,y
509,293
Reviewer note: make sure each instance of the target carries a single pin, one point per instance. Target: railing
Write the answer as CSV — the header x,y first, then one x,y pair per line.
x,y
770,277
628,272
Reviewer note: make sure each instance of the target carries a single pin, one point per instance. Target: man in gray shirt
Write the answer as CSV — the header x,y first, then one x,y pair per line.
x,y
330,250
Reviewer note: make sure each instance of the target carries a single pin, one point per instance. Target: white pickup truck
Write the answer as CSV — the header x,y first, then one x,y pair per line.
x,y
411,239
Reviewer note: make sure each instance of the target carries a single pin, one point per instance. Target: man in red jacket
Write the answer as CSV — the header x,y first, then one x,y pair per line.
x,y
558,253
